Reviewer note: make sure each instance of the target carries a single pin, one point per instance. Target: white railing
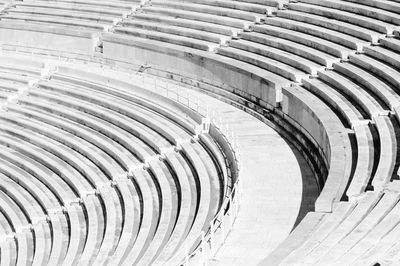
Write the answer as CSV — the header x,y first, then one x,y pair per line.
x,y
207,244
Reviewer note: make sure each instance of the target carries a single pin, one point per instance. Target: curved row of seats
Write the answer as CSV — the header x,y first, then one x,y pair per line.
x,y
343,57
200,24
360,232
95,173
81,15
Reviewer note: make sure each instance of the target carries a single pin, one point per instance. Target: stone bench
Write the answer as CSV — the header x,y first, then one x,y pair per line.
x,y
263,62
391,43
28,205
346,226
372,219
365,147
319,232
235,5
188,207
279,55
382,90
110,9
318,122
62,14
365,161
121,88
359,232
139,146
30,162
8,247
113,148
49,21
133,212
152,210
304,39
112,227
374,247
312,30
337,101
391,6
211,8
388,151
379,69
207,204
187,23
291,47
165,37
306,14
363,10
175,30
92,205
169,213
20,227
177,12
363,25
390,58
368,105
142,120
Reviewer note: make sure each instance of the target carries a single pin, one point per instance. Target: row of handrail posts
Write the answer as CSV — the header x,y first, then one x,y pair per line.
x,y
209,243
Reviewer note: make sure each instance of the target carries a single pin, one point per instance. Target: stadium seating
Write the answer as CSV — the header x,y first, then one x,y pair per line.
x,y
123,175
117,169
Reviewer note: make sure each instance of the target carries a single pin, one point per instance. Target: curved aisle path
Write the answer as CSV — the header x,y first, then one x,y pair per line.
x,y
275,184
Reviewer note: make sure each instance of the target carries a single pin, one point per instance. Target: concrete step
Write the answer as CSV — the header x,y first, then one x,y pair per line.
x,y
278,55
305,39
304,13
291,47
359,21
363,10
316,31
166,37
263,62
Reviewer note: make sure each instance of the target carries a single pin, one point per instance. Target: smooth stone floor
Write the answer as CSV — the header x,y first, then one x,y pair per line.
x,y
278,186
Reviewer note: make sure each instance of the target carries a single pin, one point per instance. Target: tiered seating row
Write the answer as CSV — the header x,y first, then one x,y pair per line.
x,y
116,177
199,24
357,233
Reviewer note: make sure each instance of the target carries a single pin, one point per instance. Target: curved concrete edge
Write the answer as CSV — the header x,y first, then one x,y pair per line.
x,y
295,239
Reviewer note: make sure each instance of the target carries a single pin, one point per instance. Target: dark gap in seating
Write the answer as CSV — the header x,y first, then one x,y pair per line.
x,y
140,195
354,160
160,196
178,188
121,201
396,127
348,97
196,180
377,151
335,110
368,91
219,170
104,212
85,213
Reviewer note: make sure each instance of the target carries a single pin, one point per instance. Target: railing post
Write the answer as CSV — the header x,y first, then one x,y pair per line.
x,y
222,226
204,257
230,211
211,239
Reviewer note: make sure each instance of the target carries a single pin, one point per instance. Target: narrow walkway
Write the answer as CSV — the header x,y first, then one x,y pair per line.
x,y
278,187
